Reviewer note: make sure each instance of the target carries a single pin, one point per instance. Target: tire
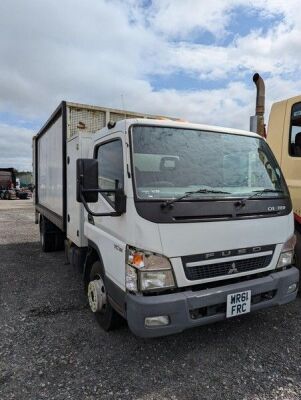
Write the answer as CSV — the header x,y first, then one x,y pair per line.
x,y
59,239
107,317
51,238
46,238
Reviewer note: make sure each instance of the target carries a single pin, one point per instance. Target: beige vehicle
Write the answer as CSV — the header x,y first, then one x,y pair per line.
x,y
284,137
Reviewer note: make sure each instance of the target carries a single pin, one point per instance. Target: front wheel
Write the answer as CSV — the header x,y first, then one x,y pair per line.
x,y
98,298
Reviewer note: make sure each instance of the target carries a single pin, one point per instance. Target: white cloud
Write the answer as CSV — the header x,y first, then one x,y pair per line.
x,y
179,18
99,50
229,106
15,147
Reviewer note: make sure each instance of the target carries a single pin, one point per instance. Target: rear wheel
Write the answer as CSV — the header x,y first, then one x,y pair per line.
x,y
98,298
46,238
51,238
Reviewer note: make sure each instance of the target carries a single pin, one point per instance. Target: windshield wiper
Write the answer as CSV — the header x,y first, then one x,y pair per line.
x,y
241,203
188,194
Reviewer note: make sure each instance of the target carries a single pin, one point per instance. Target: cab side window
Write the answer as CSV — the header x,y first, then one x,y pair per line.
x,y
295,133
110,167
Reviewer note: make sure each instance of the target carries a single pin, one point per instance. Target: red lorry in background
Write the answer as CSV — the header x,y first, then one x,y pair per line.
x,y
8,185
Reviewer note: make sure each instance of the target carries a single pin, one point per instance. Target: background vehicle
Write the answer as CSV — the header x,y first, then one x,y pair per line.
x,y
172,224
7,183
9,188
284,137
25,178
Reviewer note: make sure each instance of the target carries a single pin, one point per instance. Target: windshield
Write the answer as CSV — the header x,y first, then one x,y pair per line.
x,y
168,162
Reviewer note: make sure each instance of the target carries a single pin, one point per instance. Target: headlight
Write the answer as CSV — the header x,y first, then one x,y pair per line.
x,y
147,271
287,253
156,280
285,259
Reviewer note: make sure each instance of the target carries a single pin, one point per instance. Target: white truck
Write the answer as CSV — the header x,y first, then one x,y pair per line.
x,y
172,224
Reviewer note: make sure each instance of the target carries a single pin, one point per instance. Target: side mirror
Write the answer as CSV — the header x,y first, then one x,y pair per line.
x,y
87,180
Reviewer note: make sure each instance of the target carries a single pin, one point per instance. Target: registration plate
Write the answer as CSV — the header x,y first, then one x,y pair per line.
x,y
238,303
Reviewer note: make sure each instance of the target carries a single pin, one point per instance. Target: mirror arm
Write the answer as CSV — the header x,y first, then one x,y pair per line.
x,y
111,214
98,190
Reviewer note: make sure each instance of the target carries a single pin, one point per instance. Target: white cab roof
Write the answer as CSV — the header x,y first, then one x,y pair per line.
x,y
125,124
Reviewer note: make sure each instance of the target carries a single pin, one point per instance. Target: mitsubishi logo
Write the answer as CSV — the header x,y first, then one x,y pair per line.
x,y
233,269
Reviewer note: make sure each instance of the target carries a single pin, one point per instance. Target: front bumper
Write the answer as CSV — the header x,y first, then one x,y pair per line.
x,y
181,307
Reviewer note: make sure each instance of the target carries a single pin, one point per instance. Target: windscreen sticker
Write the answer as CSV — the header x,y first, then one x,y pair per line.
x,y
297,113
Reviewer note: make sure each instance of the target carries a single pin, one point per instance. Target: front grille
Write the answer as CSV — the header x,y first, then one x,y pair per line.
x,y
226,268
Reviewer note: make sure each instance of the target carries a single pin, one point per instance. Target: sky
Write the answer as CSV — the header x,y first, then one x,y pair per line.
x,y
191,59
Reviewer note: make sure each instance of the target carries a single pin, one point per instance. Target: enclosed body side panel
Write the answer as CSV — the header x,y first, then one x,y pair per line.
x,y
49,169
50,177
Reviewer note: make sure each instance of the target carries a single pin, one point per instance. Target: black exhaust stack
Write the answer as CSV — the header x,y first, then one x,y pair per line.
x,y
257,121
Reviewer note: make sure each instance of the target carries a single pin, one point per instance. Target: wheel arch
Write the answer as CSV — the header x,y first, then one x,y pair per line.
x,y
93,255
116,294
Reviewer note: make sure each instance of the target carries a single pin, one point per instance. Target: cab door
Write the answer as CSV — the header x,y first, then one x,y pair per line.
x,y
108,233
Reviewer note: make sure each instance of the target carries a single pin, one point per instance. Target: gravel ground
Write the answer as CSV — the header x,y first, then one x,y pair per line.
x,y
52,348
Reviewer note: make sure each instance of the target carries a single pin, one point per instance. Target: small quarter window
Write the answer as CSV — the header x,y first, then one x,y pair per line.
x,y
295,133
110,167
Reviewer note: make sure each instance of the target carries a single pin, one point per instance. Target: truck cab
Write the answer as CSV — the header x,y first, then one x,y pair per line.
x,y
284,138
208,215
283,134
